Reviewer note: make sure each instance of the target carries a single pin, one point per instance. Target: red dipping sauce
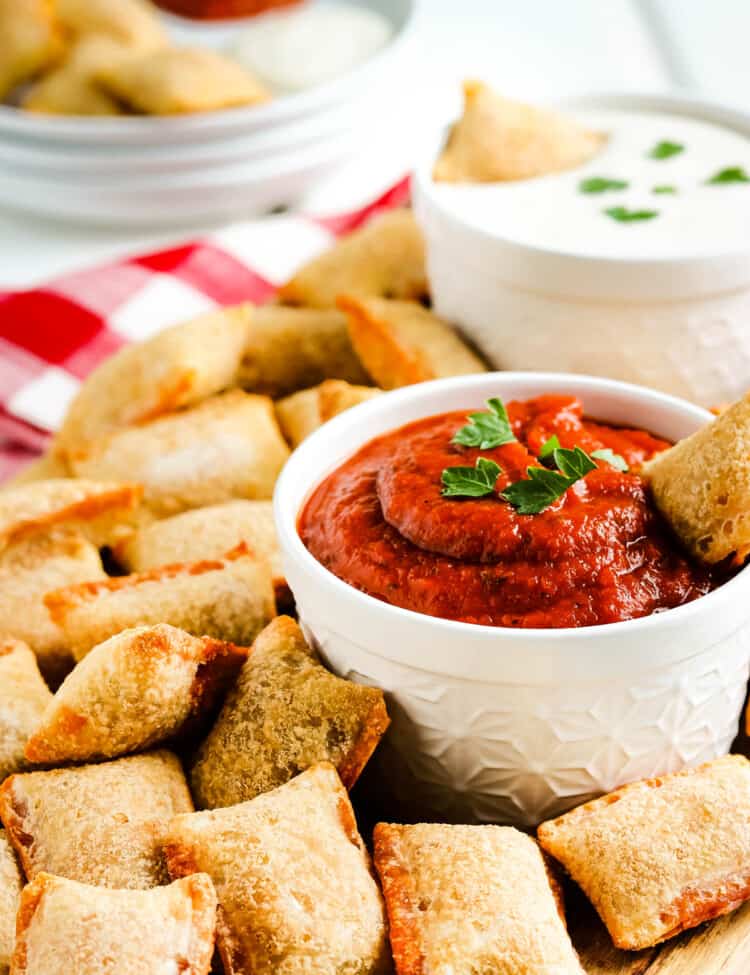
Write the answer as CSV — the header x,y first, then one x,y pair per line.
x,y
599,554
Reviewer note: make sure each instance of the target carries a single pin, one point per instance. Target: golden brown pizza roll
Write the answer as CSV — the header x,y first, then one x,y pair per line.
x,y
176,368
467,899
385,258
23,699
401,342
28,571
69,928
702,486
69,92
204,533
48,467
134,23
98,511
663,855
30,41
286,713
175,81
497,139
291,348
228,599
295,888
135,690
10,896
302,413
99,824
229,446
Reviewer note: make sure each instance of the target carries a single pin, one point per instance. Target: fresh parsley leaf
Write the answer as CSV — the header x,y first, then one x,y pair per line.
x,y
543,487
471,482
487,429
614,460
549,447
664,188
666,149
574,463
628,216
601,184
732,174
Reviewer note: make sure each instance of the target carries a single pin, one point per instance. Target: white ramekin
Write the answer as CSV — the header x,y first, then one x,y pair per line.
x,y
494,724
678,325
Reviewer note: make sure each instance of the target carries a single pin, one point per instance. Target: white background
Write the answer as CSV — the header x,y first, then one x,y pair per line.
x,y
528,48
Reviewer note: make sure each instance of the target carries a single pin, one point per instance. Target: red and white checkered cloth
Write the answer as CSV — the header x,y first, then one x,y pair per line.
x,y
52,336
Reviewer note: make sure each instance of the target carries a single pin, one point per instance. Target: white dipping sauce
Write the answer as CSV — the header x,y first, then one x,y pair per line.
x,y
553,214
299,48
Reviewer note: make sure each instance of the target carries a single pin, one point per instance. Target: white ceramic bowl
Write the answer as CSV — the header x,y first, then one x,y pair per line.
x,y
679,325
507,725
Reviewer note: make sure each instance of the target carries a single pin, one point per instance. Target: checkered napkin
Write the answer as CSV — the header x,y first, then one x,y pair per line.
x,y
52,336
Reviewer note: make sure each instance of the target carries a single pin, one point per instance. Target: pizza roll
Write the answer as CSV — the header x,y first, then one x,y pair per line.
x,y
134,23
302,413
229,446
69,928
11,883
401,342
176,368
28,571
31,41
135,690
663,855
98,511
176,81
291,348
228,599
99,824
69,92
204,533
497,140
702,486
23,699
293,880
286,713
48,467
467,899
385,258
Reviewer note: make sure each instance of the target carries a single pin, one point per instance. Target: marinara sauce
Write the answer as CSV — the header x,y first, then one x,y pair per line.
x,y
601,553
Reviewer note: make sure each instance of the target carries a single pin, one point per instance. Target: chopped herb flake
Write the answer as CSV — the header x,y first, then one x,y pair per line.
x,y
663,189
487,429
733,174
471,482
601,184
614,460
623,215
666,149
549,447
542,487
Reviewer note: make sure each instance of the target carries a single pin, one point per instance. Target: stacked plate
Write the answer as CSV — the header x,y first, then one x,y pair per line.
x,y
187,169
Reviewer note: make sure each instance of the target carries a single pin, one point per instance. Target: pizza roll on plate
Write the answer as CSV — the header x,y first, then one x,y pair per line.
x,y
175,368
69,928
663,855
176,81
385,258
497,140
11,884
135,690
31,41
468,899
229,446
23,699
293,879
292,348
702,486
303,413
286,713
401,342
230,599
97,511
134,23
69,92
99,824
28,571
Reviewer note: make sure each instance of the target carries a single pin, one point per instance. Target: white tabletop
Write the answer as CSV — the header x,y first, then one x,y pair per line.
x,y
537,48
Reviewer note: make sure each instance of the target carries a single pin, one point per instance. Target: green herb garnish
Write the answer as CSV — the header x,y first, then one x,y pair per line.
x,y
549,447
601,184
623,215
487,429
614,460
542,487
732,174
666,149
471,482
663,189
